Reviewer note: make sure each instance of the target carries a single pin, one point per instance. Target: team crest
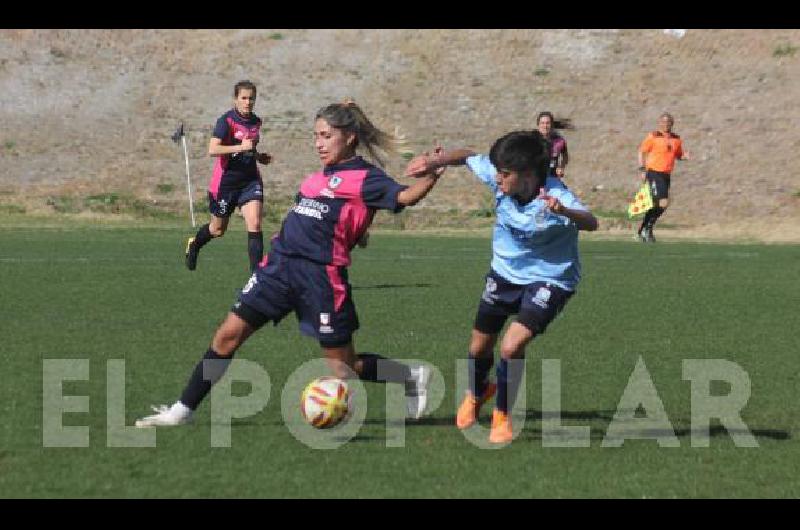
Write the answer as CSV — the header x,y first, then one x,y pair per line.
x,y
491,285
334,182
223,206
324,321
541,297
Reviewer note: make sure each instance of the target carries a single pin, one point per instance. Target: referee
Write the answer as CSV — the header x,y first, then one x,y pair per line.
x,y
657,156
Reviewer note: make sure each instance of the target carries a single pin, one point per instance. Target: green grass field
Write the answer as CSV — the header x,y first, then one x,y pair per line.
x,y
101,293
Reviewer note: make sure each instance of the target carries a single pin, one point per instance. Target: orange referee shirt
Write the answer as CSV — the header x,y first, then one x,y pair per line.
x,y
662,151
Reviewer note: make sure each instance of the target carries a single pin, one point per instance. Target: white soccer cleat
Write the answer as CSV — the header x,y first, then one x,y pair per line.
x,y
417,391
177,414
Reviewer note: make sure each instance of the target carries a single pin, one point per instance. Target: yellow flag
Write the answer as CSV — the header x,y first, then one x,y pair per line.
x,y
642,202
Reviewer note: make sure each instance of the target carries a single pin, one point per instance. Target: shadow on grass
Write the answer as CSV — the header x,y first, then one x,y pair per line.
x,y
596,433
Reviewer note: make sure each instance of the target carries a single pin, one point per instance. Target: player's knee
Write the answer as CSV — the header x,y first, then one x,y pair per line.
x,y
663,203
480,348
342,370
225,342
511,351
217,231
224,348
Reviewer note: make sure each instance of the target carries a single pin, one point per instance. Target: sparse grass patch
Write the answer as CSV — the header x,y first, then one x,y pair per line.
x,y
9,144
541,72
482,212
784,50
611,214
64,204
11,208
58,53
276,36
165,188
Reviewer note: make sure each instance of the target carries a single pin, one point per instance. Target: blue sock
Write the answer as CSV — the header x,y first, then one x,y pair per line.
x,y
507,385
478,370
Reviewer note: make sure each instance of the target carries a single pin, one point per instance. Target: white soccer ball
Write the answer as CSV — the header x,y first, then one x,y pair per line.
x,y
325,402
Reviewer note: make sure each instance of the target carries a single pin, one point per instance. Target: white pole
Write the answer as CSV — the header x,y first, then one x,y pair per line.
x,y
188,179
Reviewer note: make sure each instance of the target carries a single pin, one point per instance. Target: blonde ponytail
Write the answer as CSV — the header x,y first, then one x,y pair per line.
x,y
349,117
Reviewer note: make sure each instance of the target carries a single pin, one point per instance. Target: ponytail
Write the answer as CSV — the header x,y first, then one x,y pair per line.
x,y
349,117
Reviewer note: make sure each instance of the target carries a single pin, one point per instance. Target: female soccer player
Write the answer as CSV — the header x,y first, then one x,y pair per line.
x,y
236,180
306,269
534,269
559,156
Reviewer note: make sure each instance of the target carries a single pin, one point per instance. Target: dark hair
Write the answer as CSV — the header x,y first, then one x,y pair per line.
x,y
563,123
521,151
243,85
349,117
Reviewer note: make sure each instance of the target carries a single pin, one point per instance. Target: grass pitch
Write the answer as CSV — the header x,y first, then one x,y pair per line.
x,y
98,293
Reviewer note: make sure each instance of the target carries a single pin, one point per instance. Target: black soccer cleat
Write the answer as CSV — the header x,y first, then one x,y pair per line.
x,y
191,254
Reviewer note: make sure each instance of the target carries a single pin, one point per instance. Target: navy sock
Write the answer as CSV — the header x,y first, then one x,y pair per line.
x,y
255,248
202,237
390,371
508,381
200,383
478,369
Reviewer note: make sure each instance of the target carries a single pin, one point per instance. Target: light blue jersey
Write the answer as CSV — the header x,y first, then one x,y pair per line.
x,y
531,243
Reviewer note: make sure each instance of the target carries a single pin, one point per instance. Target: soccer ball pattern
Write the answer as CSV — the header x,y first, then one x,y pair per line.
x,y
324,402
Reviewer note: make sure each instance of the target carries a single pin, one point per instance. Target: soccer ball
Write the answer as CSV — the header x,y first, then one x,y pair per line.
x,y
324,402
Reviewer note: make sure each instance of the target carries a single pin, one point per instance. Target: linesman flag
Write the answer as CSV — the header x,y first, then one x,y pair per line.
x,y
642,202
180,136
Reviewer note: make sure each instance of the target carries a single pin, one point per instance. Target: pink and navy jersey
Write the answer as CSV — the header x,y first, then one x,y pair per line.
x,y
333,209
237,169
558,147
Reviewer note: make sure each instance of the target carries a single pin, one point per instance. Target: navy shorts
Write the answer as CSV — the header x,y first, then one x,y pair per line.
x,y
229,198
320,296
659,184
536,304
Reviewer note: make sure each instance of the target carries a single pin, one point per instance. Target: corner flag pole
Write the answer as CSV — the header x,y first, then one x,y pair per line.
x,y
179,133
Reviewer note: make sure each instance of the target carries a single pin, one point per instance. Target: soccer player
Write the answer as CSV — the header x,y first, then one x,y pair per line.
x,y
559,156
306,268
657,155
534,270
236,180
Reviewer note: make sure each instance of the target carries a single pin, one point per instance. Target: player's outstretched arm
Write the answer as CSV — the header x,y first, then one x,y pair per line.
x,y
426,178
440,159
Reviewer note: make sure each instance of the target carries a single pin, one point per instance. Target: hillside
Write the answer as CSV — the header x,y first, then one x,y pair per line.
x,y
89,113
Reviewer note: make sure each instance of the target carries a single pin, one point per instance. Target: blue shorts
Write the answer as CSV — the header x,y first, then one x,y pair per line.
x,y
320,296
536,304
229,198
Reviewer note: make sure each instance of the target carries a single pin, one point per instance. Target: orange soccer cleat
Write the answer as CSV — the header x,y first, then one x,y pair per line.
x,y
501,432
468,411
